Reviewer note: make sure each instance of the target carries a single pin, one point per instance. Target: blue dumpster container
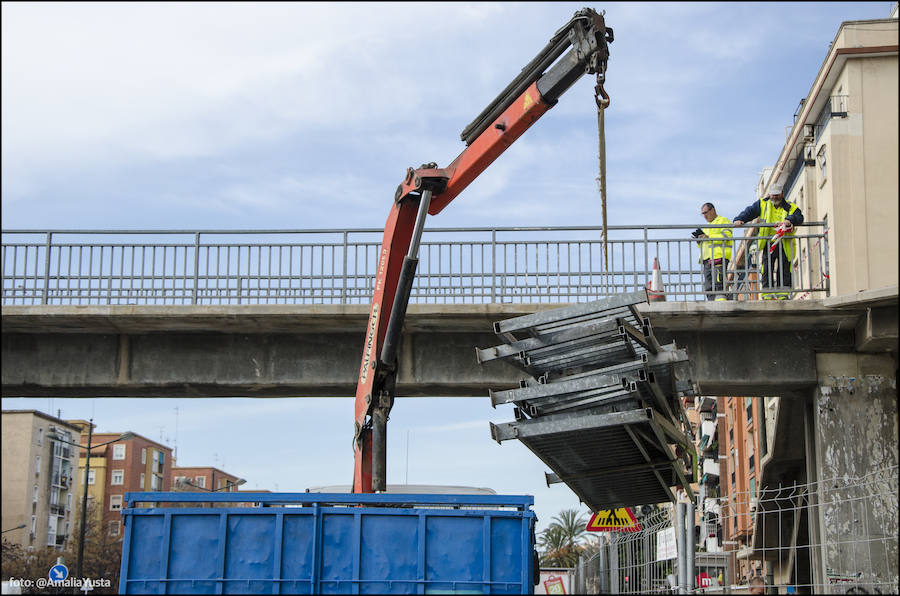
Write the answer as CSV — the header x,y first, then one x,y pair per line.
x,y
305,543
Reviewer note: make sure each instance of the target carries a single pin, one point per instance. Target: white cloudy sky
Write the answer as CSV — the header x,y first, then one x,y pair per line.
x,y
304,115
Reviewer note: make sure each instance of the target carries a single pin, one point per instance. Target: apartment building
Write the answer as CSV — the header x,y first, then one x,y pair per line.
x,y
204,478
840,166
40,487
132,465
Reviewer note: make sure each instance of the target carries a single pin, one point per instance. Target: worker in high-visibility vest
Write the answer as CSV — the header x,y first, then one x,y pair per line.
x,y
775,264
715,252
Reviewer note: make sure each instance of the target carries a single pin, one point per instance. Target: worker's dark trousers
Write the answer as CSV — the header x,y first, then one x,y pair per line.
x,y
776,273
714,279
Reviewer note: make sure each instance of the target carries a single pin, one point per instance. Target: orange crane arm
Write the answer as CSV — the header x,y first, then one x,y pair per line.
x,y
427,190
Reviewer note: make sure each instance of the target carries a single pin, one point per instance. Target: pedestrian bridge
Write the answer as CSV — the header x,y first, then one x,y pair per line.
x,y
282,313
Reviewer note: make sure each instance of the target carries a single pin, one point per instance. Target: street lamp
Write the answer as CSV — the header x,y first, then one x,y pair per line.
x,y
227,486
19,527
87,471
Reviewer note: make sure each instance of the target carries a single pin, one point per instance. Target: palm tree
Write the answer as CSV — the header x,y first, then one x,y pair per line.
x,y
561,542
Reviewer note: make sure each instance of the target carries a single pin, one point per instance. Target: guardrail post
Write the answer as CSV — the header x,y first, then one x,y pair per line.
x,y
196,267
344,272
493,266
646,258
46,294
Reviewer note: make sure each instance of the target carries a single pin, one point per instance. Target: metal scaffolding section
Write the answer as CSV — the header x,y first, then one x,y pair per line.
x,y
601,406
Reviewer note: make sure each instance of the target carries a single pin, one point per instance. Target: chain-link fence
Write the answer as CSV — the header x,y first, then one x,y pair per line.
x,y
834,536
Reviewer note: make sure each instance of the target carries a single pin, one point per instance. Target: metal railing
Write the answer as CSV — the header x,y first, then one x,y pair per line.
x,y
457,265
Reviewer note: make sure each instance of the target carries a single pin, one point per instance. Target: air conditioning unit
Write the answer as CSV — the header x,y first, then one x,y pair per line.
x,y
809,132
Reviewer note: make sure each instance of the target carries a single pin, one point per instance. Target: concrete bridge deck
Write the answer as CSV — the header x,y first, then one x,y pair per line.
x,y
737,348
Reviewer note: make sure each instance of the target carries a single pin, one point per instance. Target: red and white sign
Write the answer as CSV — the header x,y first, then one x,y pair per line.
x,y
704,580
554,585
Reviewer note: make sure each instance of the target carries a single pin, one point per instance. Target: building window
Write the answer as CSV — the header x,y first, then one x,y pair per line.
x,y
115,502
69,501
35,498
33,524
822,163
201,481
117,477
142,481
40,435
119,451
114,528
37,465
749,409
91,475
753,488
143,455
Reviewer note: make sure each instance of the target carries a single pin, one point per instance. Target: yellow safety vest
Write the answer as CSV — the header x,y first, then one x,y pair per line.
x,y
768,213
716,249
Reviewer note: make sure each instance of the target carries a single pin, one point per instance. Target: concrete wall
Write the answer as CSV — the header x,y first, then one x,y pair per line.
x,y
854,413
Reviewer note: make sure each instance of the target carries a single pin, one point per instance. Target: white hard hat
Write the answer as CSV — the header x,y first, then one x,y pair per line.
x,y
775,190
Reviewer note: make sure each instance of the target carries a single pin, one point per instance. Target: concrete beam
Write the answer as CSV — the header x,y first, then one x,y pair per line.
x,y
877,330
737,348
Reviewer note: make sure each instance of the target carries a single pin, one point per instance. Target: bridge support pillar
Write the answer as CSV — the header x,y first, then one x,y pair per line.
x,y
853,434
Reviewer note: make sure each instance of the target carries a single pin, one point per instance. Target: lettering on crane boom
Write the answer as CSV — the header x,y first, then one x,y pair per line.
x,y
613,520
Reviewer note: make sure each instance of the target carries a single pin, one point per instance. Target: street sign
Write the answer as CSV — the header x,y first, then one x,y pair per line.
x,y
613,520
554,585
665,544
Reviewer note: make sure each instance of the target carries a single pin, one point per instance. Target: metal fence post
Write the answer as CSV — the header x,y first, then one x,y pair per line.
x,y
493,266
680,547
603,568
46,294
613,567
689,541
344,272
646,261
196,267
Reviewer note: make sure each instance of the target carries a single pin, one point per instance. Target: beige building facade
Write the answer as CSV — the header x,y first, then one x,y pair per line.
x,y
840,162
40,486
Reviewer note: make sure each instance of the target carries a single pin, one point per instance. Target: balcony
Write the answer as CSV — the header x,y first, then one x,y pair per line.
x,y
708,434
705,403
61,540
57,509
711,467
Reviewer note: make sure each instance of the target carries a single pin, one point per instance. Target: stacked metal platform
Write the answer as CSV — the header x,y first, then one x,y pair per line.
x,y
601,406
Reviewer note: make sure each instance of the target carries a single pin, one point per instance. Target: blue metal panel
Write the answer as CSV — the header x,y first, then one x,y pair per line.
x,y
382,559
338,543
327,549
147,539
298,550
250,554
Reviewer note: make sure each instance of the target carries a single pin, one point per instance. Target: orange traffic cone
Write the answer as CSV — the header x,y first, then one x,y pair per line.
x,y
655,291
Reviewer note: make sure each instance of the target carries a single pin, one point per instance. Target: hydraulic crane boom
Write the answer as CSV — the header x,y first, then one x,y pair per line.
x,y
428,189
